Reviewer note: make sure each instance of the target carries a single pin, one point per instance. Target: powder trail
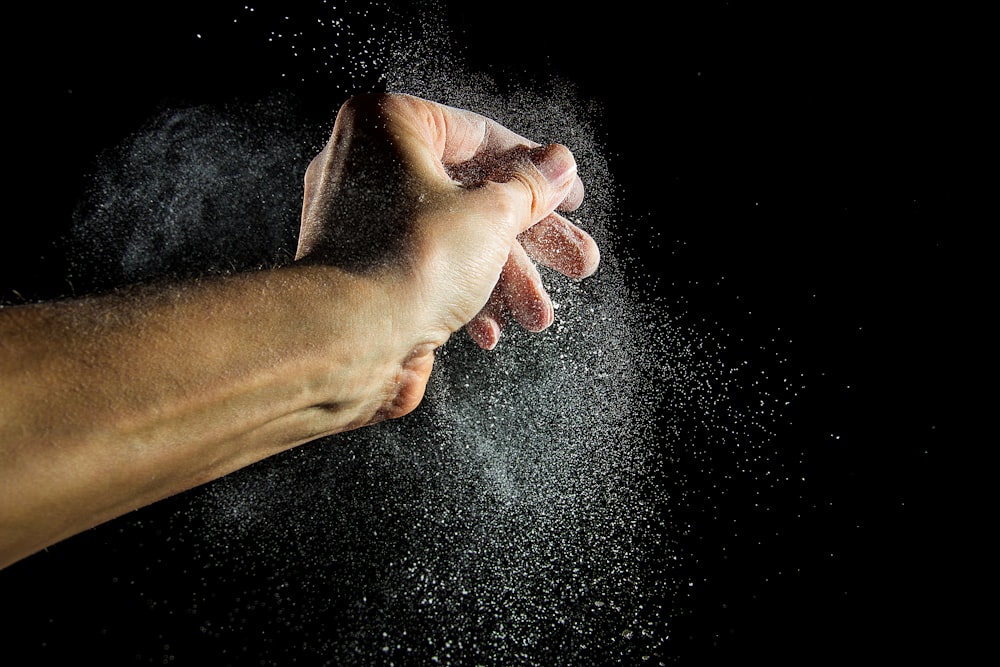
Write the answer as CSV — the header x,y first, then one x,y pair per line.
x,y
524,514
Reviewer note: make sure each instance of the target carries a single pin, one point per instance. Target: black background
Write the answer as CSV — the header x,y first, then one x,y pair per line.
x,y
796,159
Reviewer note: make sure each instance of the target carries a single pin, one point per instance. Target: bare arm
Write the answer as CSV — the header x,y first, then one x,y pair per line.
x,y
112,402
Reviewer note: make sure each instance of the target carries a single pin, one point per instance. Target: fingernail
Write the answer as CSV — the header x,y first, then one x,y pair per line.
x,y
555,162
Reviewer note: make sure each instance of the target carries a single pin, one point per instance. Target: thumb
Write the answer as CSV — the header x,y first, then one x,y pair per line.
x,y
543,178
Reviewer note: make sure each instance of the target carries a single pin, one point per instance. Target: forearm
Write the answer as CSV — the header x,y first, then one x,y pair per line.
x,y
129,398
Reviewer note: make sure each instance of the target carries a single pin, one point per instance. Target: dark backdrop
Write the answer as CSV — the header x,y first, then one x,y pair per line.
x,y
794,157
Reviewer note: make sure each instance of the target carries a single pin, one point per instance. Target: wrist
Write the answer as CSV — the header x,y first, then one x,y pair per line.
x,y
379,342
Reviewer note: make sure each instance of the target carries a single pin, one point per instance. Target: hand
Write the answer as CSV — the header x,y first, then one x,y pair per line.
x,y
451,208
418,219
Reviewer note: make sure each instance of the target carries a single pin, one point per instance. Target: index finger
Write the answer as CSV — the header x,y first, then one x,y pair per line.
x,y
470,145
465,135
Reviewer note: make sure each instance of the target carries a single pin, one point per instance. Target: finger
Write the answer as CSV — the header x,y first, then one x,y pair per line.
x,y
557,243
311,189
472,147
573,198
463,135
519,294
486,326
522,292
547,174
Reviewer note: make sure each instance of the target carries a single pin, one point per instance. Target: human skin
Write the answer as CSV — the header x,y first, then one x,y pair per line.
x,y
417,220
